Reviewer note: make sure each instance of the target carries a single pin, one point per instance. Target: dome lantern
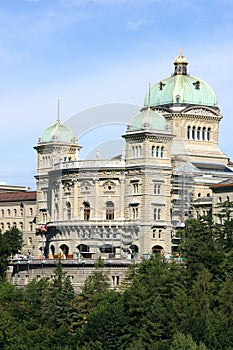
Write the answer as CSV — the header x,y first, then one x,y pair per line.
x,y
180,64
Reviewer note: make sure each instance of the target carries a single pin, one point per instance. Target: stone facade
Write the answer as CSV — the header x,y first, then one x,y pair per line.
x,y
131,205
18,209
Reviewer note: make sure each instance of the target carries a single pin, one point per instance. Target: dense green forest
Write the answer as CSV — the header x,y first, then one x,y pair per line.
x,y
161,305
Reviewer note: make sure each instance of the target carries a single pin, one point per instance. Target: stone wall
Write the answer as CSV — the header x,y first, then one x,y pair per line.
x,y
21,272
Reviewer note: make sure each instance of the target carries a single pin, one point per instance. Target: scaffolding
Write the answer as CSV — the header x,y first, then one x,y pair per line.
x,y
182,194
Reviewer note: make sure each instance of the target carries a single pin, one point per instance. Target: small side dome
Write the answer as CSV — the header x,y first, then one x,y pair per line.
x,y
58,133
148,120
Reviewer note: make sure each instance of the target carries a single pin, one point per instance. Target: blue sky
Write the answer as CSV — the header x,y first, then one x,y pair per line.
x,y
95,52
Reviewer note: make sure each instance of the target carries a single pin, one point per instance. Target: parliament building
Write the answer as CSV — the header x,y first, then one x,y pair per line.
x,y
133,204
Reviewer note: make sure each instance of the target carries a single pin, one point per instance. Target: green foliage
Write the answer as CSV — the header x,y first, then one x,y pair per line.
x,y
10,243
162,305
200,247
185,342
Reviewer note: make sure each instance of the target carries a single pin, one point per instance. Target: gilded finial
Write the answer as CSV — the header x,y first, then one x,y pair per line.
x,y
181,52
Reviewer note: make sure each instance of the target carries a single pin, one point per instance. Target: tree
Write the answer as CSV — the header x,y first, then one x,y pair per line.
x,y
10,243
225,229
14,240
185,342
200,247
58,301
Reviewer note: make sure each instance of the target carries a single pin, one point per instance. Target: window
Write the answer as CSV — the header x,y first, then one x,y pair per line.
x,y
135,188
109,211
193,132
208,134
8,212
30,211
15,212
157,188
68,210
135,213
154,233
203,133
160,233
30,226
139,151
177,99
14,225
188,132
157,213
157,151
220,199
2,226
87,211
198,133
153,151
2,213
161,152
21,226
8,226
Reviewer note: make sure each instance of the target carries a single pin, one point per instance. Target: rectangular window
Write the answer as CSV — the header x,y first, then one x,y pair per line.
x,y
135,188
157,188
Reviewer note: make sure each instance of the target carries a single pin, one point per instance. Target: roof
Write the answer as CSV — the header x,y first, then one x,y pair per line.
x,y
181,88
18,196
148,120
212,167
225,183
58,133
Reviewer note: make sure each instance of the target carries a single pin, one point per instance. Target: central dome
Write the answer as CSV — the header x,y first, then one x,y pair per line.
x,y
181,88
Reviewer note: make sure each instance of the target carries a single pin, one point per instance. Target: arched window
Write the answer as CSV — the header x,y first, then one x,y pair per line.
x,y
220,199
208,134
30,226
133,152
157,151
153,151
8,212
2,213
228,199
135,213
188,132
68,210
15,212
2,226
139,151
161,152
198,133
193,132
109,210
87,211
178,99
29,240
203,133
14,225
30,211
21,226
8,226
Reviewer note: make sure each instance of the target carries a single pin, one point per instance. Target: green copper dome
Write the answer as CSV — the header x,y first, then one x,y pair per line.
x,y
148,120
58,133
181,88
